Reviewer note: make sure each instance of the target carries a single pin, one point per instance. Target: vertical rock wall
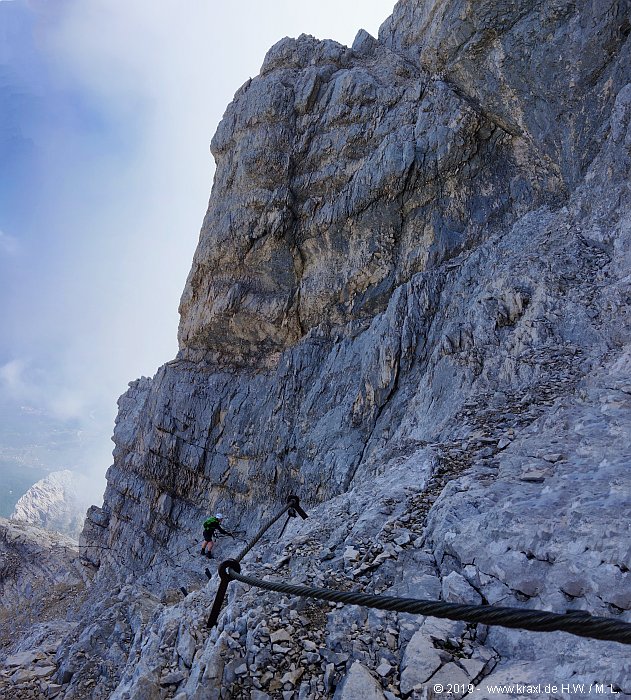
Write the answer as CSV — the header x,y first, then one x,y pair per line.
x,y
326,291
409,305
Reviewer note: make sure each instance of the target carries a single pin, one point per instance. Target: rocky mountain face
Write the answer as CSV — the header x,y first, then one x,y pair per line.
x,y
42,583
54,503
409,306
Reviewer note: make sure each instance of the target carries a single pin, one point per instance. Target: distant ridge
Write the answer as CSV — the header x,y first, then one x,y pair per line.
x,y
54,503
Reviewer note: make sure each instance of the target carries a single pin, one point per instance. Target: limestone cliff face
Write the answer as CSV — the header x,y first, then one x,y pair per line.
x,y
328,289
341,173
409,305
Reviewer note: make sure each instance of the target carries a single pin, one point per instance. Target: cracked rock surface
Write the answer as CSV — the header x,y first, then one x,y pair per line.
x,y
42,583
410,307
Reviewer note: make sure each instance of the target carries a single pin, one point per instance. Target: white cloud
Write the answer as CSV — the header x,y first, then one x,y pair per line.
x,y
120,200
24,383
66,405
11,378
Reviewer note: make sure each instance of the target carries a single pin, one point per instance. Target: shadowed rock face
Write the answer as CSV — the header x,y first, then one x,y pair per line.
x,y
410,306
547,71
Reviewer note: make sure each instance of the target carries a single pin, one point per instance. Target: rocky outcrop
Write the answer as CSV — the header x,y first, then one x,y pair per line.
x,y
410,306
42,581
54,503
341,173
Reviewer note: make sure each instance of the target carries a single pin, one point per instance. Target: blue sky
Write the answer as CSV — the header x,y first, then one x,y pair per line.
x,y
107,111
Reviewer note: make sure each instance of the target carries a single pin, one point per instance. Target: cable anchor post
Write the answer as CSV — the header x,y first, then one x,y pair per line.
x,y
224,580
294,507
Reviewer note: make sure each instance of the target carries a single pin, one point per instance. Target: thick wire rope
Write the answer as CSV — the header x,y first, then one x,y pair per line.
x,y
578,623
261,532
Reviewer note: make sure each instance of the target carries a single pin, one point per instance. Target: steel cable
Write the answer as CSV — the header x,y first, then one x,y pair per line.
x,y
578,623
260,533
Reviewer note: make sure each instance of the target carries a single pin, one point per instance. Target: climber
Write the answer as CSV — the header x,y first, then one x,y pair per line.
x,y
212,525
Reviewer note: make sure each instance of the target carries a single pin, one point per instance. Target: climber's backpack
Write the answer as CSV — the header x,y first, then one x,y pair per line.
x,y
209,523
